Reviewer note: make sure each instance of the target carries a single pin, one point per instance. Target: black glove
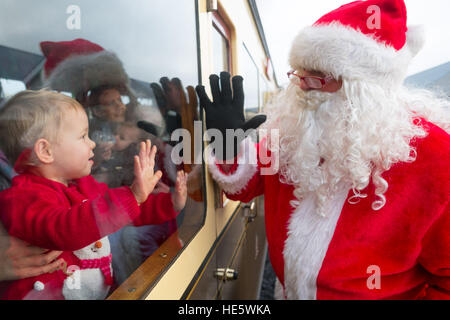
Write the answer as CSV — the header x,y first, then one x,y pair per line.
x,y
168,100
227,109
148,127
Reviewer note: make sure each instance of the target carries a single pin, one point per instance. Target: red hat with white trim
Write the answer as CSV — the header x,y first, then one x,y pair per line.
x,y
362,40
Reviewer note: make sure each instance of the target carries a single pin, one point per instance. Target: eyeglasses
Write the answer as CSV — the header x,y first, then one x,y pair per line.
x,y
311,81
115,103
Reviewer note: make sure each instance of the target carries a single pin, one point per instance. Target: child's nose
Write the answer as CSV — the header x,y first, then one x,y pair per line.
x,y
93,144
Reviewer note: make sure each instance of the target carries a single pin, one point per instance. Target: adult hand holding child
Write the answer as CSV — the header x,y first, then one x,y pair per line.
x,y
19,260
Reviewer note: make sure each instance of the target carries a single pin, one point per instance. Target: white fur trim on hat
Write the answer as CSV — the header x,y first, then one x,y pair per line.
x,y
415,38
80,73
348,53
247,168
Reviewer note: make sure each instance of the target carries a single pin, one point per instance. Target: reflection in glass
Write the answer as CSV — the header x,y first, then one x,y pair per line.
x,y
127,46
251,83
221,52
264,92
9,87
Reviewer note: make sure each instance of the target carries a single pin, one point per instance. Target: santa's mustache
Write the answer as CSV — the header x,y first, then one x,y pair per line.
x,y
325,138
312,99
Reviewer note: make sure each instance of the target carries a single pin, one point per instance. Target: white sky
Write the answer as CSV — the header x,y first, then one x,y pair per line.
x,y
282,19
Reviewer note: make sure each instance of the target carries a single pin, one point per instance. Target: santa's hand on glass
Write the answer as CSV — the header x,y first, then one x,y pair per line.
x,y
226,111
168,97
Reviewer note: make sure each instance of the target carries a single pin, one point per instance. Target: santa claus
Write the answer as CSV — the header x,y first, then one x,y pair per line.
x,y
357,207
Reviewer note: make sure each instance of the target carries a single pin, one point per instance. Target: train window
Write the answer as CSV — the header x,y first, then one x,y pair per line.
x,y
251,76
221,45
118,59
263,92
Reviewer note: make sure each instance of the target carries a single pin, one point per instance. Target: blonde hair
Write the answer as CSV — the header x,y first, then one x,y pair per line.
x,y
31,115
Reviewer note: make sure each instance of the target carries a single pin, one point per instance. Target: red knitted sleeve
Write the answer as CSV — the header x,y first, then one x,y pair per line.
x,y
157,209
39,217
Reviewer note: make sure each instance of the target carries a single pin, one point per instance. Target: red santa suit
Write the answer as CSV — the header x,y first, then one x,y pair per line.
x,y
406,243
75,219
401,251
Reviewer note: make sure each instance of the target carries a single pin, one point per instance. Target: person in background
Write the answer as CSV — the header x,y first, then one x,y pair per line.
x,y
55,203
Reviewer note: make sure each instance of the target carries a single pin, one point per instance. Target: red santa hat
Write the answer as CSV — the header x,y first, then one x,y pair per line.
x,y
79,65
362,40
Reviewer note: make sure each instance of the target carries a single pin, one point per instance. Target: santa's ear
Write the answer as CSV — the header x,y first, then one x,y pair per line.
x,y
43,151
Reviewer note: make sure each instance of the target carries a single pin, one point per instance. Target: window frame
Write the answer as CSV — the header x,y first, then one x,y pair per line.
x,y
220,26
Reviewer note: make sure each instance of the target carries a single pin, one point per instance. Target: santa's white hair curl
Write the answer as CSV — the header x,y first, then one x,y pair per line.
x,y
352,135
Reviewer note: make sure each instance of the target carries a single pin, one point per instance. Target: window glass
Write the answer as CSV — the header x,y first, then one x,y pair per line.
x,y
250,73
9,87
264,92
119,60
220,44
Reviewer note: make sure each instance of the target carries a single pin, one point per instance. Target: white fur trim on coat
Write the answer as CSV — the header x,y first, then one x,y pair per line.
x,y
309,235
247,168
348,53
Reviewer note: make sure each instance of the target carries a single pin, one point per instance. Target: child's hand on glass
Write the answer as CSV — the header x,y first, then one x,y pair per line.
x,y
145,179
161,187
179,195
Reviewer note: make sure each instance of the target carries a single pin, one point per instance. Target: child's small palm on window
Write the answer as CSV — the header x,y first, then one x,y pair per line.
x,y
179,195
145,179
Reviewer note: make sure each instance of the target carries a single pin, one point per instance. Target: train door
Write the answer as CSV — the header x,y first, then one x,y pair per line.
x,y
235,266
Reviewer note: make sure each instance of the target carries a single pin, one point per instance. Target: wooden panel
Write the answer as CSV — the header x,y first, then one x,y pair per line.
x,y
139,283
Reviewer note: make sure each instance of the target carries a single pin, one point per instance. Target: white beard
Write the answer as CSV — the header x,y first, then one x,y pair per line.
x,y
350,136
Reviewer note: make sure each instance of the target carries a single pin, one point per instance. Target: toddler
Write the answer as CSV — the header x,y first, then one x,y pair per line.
x,y
56,204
